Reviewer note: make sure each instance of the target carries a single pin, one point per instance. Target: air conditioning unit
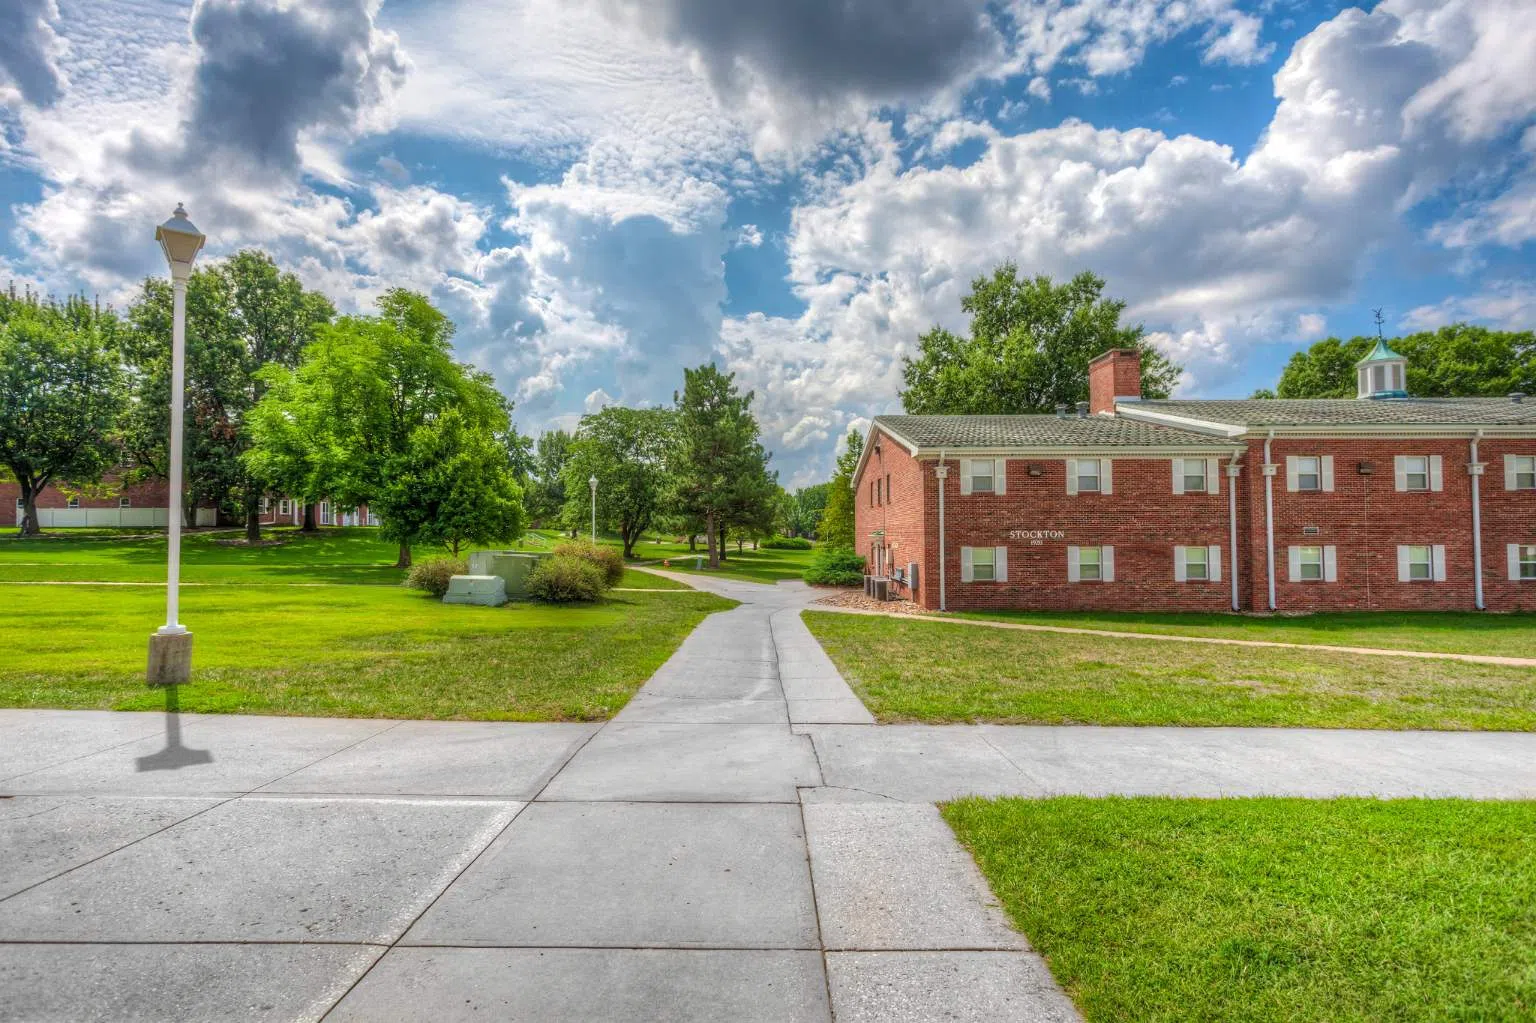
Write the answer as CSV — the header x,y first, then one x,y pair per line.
x,y
882,588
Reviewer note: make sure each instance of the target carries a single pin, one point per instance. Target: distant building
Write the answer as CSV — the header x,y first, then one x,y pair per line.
x,y
1380,502
145,506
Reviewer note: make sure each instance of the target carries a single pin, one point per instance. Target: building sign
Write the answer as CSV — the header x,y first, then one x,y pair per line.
x,y
1036,537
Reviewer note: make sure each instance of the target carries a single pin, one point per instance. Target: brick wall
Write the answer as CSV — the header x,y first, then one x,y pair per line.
x,y
143,495
1115,374
1508,517
900,512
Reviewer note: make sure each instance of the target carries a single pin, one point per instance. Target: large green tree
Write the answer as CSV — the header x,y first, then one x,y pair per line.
x,y
718,461
61,396
1030,345
344,423
626,449
546,489
1455,361
243,315
837,518
807,506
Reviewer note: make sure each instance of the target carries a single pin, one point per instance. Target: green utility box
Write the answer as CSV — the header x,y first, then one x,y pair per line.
x,y
513,567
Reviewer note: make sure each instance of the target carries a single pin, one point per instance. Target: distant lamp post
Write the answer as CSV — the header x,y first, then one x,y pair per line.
x,y
592,482
170,648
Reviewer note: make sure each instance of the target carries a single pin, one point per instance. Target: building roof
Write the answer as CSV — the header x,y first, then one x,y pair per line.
x,y
1041,431
1381,353
1252,413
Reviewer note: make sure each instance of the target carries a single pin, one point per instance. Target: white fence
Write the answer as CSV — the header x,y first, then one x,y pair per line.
x,y
105,518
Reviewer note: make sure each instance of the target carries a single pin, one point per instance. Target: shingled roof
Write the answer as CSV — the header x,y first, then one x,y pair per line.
x,y
1047,431
1261,412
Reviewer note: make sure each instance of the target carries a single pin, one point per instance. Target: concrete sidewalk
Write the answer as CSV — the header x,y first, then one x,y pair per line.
x,y
738,844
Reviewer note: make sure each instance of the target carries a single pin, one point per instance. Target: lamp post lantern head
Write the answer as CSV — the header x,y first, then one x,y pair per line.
x,y
179,240
592,481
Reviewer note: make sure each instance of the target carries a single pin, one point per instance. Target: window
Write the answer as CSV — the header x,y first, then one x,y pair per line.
x,y
283,507
982,479
1522,561
1309,472
1196,565
1521,474
887,487
1088,476
983,564
123,502
1090,564
74,502
1309,562
1421,564
1194,475
1415,472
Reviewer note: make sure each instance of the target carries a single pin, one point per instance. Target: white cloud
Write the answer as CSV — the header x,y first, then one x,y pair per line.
x,y
1507,305
749,236
1311,326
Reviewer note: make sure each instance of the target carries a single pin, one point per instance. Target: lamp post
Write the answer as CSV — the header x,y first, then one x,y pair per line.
x,y
170,648
592,482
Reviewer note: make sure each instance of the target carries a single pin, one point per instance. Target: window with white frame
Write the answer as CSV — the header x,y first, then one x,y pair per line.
x,y
1309,564
1420,561
1090,564
1415,472
283,507
983,480
1090,479
1193,471
1522,562
1196,563
123,502
74,502
1520,472
1309,472
983,564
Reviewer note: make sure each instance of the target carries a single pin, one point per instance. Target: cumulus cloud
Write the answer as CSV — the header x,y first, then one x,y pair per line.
x,y
29,50
1509,305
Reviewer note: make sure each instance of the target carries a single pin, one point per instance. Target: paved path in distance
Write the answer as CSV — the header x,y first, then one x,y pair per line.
x,y
740,843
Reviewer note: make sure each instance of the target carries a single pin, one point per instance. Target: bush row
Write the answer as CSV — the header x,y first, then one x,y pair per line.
x,y
786,543
835,566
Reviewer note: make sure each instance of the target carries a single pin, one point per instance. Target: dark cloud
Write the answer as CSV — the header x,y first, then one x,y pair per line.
x,y
27,47
827,49
268,71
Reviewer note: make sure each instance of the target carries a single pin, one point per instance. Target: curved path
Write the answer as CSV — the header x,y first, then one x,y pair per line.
x,y
739,843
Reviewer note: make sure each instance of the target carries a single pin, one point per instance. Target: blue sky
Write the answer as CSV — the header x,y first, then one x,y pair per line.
x,y
602,191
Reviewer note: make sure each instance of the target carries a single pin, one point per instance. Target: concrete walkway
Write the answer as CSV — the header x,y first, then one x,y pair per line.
x,y
738,844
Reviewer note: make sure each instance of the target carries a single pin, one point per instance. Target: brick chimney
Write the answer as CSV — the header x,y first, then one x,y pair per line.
x,y
1115,374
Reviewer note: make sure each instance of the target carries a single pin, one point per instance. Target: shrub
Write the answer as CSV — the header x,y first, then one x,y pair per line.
x,y
787,543
835,566
565,579
607,560
433,574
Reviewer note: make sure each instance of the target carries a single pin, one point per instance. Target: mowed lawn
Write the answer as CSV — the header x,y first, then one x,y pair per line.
x,y
1456,632
908,671
274,634
1270,910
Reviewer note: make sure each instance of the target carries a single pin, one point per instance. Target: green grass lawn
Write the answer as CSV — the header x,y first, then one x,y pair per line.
x,y
1270,910
345,651
1464,632
349,641
938,672
759,566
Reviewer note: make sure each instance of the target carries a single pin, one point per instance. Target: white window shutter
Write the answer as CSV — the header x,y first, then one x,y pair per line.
x,y
1000,476
1213,475
1213,563
1180,572
965,476
1106,476
1436,473
1178,475
1403,574
1330,564
1400,472
967,574
1328,473
1074,573
1107,560
1512,553
1293,564
1001,554
1290,472
1438,558
1509,472
1072,477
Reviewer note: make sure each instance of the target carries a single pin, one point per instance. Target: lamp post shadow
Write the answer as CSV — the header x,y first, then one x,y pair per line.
x,y
175,756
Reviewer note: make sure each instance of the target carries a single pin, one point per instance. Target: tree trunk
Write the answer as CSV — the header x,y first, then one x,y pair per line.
x,y
721,541
309,519
710,541
252,517
29,526
405,556
628,539
693,543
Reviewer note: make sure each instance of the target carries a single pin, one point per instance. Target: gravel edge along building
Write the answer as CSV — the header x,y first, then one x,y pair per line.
x,y
1379,502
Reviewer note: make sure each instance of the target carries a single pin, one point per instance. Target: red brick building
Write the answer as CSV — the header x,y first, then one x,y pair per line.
x,y
145,505
1378,502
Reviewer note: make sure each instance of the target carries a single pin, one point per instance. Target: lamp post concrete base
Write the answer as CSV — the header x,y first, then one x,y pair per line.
x,y
170,659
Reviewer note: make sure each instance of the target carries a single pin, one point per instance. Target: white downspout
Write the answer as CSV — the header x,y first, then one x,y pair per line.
x,y
1475,470
942,472
1269,518
1233,468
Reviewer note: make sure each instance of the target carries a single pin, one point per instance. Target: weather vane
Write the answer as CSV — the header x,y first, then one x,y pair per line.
x,y
1379,321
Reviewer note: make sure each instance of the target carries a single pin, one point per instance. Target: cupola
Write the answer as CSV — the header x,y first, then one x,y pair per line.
x,y
1381,374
